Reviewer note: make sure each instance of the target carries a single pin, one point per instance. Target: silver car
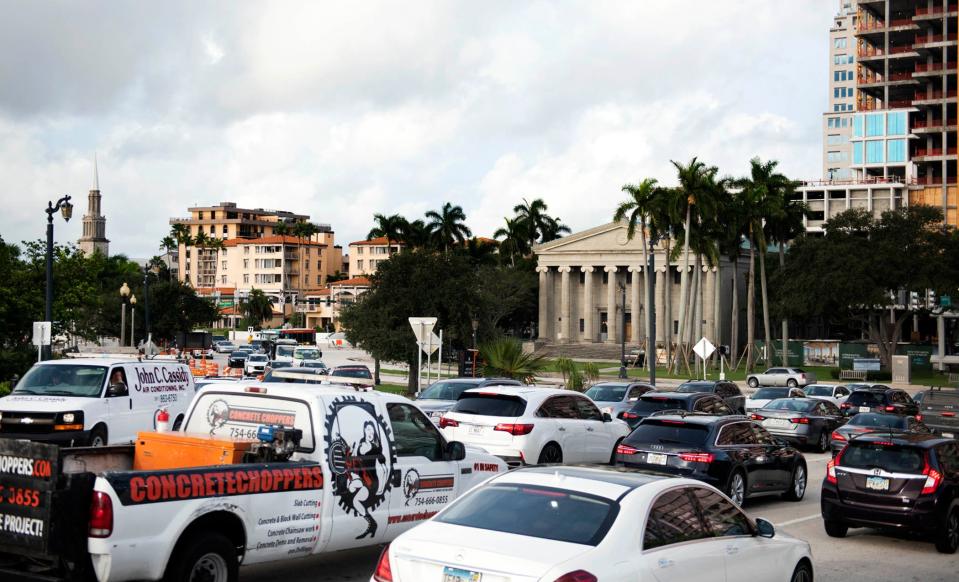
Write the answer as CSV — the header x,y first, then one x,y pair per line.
x,y
617,397
792,377
440,396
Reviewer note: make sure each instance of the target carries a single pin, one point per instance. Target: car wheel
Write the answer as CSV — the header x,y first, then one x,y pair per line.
x,y
948,540
753,382
207,557
792,383
802,573
736,488
797,487
550,455
824,445
835,529
98,436
612,456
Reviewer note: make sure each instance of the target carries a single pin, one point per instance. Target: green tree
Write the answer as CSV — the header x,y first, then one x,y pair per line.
x,y
416,234
446,226
258,307
505,358
389,227
539,225
514,240
782,226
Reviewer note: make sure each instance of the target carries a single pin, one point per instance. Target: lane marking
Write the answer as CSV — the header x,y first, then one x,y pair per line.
x,y
799,520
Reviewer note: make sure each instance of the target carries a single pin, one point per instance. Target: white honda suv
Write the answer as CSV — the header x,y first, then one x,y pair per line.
x,y
530,424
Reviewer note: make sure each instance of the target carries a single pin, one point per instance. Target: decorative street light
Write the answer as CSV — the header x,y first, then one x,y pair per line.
x,y
124,293
66,210
133,313
475,323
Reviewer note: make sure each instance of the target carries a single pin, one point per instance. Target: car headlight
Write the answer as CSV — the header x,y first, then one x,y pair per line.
x,y
75,417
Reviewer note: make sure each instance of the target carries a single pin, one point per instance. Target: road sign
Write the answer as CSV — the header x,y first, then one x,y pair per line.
x,y
41,333
422,327
431,343
704,348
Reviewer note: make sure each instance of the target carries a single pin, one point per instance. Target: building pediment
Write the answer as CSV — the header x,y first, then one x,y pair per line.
x,y
608,238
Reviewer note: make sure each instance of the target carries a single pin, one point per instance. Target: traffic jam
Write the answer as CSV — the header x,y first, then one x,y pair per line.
x,y
116,469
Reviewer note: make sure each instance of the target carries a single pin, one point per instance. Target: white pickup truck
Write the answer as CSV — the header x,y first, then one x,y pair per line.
x,y
367,467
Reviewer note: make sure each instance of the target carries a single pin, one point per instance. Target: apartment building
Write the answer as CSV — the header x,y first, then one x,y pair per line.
x,y
365,255
837,119
322,307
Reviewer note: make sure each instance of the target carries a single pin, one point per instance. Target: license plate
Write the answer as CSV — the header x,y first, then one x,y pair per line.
x,y
476,429
948,435
777,422
656,458
864,409
877,483
460,575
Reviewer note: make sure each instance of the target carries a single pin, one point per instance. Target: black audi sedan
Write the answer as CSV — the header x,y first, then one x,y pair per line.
x,y
866,422
658,402
903,482
732,453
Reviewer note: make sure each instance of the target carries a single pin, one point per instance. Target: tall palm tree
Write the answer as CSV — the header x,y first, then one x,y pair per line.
x,y
258,307
446,226
416,234
281,228
552,229
390,227
168,244
735,229
514,240
782,226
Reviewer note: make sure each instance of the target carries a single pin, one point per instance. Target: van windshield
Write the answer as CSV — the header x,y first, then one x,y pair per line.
x,y
63,380
284,351
306,354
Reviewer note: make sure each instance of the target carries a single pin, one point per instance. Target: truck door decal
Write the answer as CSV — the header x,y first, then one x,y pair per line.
x,y
361,455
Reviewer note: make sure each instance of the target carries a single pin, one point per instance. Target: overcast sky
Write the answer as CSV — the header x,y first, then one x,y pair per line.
x,y
343,109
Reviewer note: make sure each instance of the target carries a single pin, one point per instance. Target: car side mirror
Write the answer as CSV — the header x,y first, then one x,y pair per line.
x,y
607,417
455,451
116,390
764,529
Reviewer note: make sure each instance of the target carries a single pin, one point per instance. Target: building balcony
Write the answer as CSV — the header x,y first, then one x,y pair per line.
x,y
898,78
934,180
923,13
934,69
934,154
924,41
901,23
864,181
932,125
932,97
868,54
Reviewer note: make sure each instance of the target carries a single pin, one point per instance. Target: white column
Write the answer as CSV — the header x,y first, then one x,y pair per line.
x,y
544,299
564,304
941,333
589,333
612,321
709,315
662,281
635,317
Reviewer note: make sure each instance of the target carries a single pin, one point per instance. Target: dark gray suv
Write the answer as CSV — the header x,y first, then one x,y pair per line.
x,y
442,395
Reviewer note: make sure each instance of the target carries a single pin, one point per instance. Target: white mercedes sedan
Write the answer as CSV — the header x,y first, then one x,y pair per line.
x,y
578,524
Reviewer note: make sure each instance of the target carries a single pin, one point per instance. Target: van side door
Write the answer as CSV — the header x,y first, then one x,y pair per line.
x,y
120,419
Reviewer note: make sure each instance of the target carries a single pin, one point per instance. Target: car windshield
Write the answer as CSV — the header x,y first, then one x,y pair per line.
x,y
279,364
695,387
489,405
656,403
547,513
815,390
880,455
668,432
319,365
602,393
284,351
306,354
445,390
293,376
257,358
862,397
63,380
239,354
352,373
794,404
877,420
770,393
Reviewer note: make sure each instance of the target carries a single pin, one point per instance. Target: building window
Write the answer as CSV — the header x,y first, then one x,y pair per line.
x,y
875,124
319,265
359,264
857,152
857,124
224,231
896,150
246,250
200,215
833,139
223,279
319,280
839,60
359,250
874,152
223,263
246,278
831,122
845,122
839,43
896,123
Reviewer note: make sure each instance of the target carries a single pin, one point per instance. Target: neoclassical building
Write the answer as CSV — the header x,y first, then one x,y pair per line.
x,y
583,279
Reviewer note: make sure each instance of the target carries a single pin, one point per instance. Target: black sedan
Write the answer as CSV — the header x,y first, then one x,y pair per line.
x,y
732,453
657,402
804,421
880,398
866,422
238,359
726,390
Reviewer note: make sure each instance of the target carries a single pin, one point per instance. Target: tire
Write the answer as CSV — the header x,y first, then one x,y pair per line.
x,y
802,573
550,455
204,557
753,382
823,446
792,383
736,488
835,529
98,436
948,539
612,456
797,484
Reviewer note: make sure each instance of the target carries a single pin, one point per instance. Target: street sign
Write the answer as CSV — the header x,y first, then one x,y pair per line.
x,y
704,348
431,344
41,333
422,327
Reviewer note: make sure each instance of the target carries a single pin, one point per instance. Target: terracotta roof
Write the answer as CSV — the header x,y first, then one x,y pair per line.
x,y
380,240
233,311
483,239
354,282
314,292
271,240
212,290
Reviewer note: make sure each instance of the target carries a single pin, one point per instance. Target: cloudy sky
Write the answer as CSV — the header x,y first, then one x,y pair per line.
x,y
342,109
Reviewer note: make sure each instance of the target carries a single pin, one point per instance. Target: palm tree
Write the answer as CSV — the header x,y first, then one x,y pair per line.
x,y
446,226
505,358
782,226
552,229
258,307
730,237
416,234
514,240
281,228
390,227
168,244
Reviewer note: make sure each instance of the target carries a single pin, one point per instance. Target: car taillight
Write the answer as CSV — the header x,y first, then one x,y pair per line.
x,y
445,422
101,515
577,576
697,457
629,415
831,471
625,450
799,420
933,479
384,573
514,429
845,405
837,436
949,414
890,408
919,417
757,417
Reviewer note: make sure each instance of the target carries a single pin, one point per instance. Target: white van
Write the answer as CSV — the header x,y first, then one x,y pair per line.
x,y
95,401
304,354
284,350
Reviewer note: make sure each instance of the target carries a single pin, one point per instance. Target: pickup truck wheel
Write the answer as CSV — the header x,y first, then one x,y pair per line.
x,y
206,557
98,436
753,383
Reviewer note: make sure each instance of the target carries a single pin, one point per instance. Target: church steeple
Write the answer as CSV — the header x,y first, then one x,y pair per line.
x,y
94,223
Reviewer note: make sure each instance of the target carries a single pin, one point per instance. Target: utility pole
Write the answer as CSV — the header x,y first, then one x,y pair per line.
x,y
651,309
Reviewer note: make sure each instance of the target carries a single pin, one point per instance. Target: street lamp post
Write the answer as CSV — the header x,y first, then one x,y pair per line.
x,y
66,209
133,314
124,293
622,336
475,324
651,310
146,309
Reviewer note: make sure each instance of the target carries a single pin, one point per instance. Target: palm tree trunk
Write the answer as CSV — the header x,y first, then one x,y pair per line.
x,y
649,349
751,307
767,330
683,289
782,264
668,304
734,319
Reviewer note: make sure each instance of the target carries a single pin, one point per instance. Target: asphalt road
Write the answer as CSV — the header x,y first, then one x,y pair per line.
x,y
863,556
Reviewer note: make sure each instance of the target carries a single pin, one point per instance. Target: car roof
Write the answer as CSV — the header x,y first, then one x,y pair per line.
x,y
109,361
676,395
703,382
609,482
701,419
522,390
924,441
299,392
352,367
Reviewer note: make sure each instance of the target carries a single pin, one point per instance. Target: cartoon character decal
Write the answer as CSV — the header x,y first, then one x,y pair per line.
x,y
217,415
411,484
361,455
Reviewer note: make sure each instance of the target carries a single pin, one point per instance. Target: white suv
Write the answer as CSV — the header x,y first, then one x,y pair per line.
x,y
530,424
